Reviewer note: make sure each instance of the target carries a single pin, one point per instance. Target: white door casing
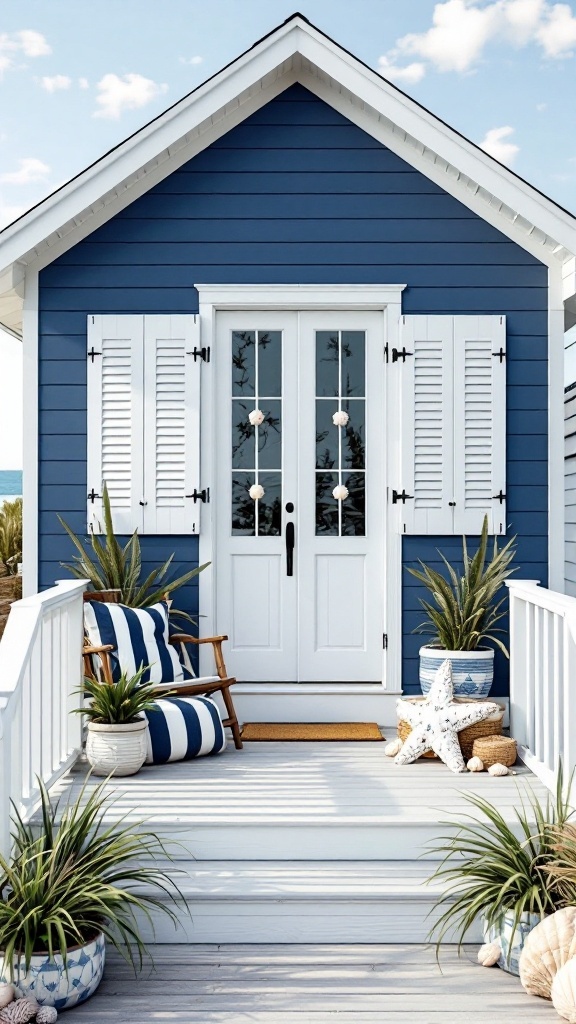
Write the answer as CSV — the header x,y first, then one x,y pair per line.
x,y
323,622
385,300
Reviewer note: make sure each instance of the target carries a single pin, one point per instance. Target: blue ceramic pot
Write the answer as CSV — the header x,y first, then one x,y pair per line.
x,y
59,984
472,671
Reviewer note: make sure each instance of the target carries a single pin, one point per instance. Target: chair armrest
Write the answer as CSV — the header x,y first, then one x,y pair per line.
x,y
98,650
185,638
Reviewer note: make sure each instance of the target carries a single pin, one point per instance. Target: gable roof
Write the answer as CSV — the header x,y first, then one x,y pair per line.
x,y
295,51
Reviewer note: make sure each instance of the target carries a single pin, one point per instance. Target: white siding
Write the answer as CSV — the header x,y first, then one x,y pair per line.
x,y
570,488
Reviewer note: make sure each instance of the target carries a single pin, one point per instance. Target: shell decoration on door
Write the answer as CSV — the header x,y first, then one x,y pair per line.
x,y
256,492
436,721
340,418
550,945
340,492
256,417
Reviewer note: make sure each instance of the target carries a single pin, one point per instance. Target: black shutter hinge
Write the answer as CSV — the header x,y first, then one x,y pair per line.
x,y
501,497
501,354
92,495
400,354
200,353
93,353
400,496
203,495
384,641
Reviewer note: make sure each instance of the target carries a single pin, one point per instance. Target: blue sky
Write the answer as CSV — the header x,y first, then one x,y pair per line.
x,y
78,76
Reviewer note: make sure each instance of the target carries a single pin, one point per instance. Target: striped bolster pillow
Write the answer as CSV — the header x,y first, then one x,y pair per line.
x,y
180,728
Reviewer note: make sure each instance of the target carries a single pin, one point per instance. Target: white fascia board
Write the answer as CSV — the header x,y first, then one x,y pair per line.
x,y
225,100
158,141
435,135
299,296
569,279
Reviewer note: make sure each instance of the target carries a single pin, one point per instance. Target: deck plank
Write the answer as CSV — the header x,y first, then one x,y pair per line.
x,y
312,984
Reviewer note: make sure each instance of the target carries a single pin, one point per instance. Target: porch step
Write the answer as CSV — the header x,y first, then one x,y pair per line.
x,y
305,901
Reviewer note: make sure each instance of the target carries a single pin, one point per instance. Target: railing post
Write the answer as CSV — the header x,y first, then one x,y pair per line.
x,y
520,640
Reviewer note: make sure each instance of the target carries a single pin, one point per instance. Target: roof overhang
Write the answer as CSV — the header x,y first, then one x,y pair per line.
x,y
294,52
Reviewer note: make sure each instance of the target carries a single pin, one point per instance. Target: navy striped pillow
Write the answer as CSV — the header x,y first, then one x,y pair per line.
x,y
139,637
181,728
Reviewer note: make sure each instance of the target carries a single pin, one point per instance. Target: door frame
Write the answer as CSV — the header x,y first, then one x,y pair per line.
x,y
384,298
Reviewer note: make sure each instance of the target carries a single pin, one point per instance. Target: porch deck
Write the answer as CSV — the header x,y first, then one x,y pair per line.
x,y
302,842
299,984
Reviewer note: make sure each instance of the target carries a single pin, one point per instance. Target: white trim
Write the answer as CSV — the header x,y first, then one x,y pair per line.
x,y
30,438
388,298
296,51
556,497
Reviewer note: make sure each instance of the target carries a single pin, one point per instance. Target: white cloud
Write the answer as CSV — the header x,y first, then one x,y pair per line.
x,y
9,212
26,43
129,92
541,106
462,29
30,169
191,60
83,83
410,74
53,83
494,143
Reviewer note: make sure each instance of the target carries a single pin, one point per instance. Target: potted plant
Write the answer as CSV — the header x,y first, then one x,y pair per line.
x,y
68,887
465,612
119,567
117,727
505,878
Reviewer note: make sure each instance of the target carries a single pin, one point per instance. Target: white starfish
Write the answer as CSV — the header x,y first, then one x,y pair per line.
x,y
437,720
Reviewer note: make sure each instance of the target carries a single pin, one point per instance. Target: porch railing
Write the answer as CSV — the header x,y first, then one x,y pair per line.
x,y
40,667
543,678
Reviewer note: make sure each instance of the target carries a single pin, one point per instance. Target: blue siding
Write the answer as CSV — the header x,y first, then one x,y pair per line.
x,y
296,194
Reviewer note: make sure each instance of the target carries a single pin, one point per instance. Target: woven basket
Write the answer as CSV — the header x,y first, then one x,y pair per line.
x,y
491,726
495,750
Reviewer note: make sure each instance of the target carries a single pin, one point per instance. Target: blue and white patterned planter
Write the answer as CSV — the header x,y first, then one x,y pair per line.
x,y
510,940
472,671
53,983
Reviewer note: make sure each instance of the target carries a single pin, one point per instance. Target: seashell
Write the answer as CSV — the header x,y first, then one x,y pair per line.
x,y
256,492
19,1012
6,994
340,418
498,769
489,954
392,748
340,492
46,1015
475,764
256,417
546,949
564,992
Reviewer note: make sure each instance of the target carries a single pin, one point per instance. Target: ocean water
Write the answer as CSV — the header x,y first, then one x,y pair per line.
x,y
10,484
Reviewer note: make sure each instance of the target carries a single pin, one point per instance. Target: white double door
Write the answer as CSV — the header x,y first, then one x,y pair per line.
x,y
299,494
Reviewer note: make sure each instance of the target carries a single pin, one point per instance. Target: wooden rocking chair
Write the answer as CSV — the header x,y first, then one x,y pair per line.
x,y
219,684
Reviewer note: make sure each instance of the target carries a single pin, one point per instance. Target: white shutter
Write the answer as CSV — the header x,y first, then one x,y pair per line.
x,y
453,427
479,423
114,419
426,434
172,424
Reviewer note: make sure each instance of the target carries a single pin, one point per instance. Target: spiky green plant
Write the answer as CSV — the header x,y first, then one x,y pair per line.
x,y
120,703
562,869
68,880
467,610
487,869
11,535
117,567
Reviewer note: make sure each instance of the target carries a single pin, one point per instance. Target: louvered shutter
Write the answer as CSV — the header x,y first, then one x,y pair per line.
x,y
426,384
114,419
453,415
479,423
171,424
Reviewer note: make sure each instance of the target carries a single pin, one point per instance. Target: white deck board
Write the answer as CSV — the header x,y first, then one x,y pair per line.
x,y
364,984
305,783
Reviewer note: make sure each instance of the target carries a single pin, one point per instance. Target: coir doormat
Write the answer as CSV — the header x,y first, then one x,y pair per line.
x,y
318,731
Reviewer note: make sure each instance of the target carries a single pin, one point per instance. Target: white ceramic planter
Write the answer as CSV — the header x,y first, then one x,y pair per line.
x,y
58,983
116,749
511,940
472,671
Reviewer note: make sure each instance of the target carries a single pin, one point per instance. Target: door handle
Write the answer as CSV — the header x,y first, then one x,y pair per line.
x,y
290,549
